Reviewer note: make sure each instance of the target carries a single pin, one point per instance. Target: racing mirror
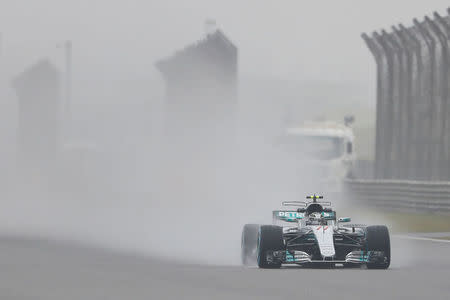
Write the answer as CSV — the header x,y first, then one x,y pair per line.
x,y
344,220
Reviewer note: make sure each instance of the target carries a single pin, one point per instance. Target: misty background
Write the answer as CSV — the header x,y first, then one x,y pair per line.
x,y
297,59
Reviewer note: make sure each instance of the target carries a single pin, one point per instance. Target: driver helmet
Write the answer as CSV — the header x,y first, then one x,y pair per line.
x,y
315,218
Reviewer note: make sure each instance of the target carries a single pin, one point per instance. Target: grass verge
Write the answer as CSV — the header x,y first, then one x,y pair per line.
x,y
416,222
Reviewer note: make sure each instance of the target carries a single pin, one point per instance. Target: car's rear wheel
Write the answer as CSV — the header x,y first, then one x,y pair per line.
x,y
249,240
270,238
377,238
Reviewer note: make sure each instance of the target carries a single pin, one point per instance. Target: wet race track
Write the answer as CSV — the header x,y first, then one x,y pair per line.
x,y
32,269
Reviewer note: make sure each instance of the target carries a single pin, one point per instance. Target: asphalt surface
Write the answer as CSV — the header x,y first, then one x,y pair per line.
x,y
33,269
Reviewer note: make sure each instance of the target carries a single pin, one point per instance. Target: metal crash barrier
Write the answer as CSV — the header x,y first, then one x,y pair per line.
x,y
401,195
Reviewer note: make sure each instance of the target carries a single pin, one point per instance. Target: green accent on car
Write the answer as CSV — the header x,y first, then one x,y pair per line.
x,y
289,257
328,215
344,219
288,216
365,257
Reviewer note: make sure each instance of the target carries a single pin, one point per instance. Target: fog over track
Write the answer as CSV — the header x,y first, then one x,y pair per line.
x,y
34,269
113,185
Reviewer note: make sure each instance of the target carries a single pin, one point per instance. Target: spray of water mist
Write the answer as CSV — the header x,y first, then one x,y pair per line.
x,y
121,181
119,184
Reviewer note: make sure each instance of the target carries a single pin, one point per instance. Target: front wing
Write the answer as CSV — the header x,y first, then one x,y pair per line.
x,y
300,257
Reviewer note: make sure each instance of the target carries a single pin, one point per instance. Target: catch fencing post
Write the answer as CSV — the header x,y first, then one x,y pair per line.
x,y
440,102
429,115
416,127
378,55
397,105
443,33
406,103
387,122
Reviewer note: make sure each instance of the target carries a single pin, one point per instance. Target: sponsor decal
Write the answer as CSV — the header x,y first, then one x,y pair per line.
x,y
289,216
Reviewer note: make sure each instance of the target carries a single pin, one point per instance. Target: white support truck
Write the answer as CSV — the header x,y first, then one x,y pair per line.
x,y
323,149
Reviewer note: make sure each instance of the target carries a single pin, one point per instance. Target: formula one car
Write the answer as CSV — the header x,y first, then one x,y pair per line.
x,y
311,235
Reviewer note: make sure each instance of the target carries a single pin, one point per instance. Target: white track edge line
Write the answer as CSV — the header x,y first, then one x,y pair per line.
x,y
421,238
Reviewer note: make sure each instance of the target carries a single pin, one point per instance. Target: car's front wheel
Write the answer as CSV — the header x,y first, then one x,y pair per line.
x,y
270,238
377,239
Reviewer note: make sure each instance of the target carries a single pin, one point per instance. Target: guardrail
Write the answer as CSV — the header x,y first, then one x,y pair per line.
x,y
401,195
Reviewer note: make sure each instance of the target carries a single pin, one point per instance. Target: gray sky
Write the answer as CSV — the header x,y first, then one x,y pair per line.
x,y
292,39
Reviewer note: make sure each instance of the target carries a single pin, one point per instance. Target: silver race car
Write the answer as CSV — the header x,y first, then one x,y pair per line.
x,y
310,235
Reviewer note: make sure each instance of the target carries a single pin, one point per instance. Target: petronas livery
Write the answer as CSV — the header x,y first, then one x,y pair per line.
x,y
312,235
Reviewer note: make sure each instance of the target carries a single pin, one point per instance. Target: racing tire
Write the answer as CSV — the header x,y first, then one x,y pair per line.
x,y
377,239
249,239
270,238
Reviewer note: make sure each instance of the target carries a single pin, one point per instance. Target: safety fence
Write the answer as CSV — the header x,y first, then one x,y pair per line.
x,y
401,195
413,112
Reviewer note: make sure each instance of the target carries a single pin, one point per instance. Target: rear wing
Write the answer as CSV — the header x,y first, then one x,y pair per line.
x,y
314,200
294,203
304,204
